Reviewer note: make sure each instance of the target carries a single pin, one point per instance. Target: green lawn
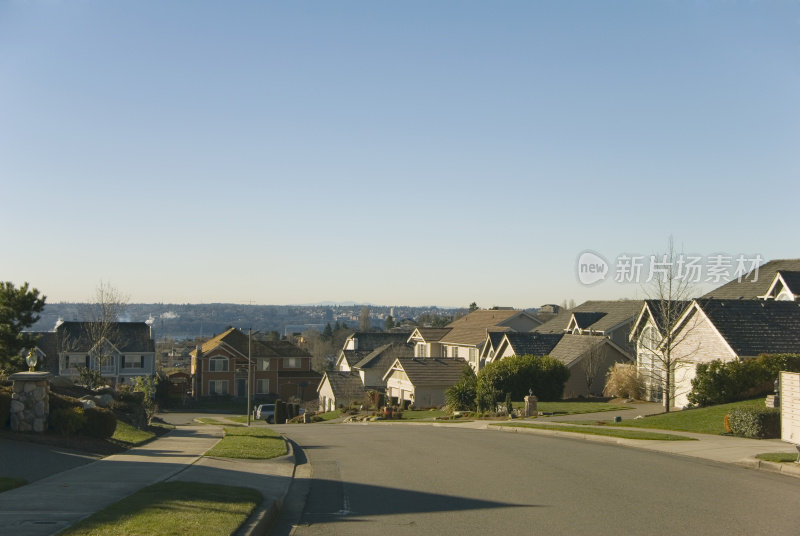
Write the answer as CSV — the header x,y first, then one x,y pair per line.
x,y
700,420
249,443
173,508
417,414
611,432
778,457
329,415
215,422
573,408
7,483
130,436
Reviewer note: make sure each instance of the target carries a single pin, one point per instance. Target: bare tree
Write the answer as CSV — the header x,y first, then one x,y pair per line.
x,y
663,349
100,329
591,363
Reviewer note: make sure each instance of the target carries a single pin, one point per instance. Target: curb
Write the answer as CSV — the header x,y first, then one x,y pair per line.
x,y
265,515
789,469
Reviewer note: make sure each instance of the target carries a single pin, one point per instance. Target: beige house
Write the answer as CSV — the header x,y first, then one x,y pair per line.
x,y
339,389
731,330
422,381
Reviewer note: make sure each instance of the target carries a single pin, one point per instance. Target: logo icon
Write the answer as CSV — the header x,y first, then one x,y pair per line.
x,y
592,268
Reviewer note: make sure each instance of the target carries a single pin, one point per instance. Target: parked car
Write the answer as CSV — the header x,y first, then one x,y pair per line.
x,y
266,412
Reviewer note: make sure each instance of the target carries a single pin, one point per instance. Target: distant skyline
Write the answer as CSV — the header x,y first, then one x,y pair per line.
x,y
410,153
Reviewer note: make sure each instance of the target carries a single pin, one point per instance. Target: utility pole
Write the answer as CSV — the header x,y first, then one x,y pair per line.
x,y
249,361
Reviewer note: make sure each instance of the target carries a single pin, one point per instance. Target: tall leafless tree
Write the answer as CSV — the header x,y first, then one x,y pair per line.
x,y
102,315
669,293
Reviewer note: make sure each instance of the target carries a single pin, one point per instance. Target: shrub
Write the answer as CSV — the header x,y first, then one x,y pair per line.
x,y
754,422
622,380
67,421
58,401
719,383
461,396
100,423
280,412
516,375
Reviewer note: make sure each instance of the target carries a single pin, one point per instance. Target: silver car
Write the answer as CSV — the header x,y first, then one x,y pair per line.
x,y
266,412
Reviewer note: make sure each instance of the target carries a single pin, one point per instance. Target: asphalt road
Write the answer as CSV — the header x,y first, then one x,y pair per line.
x,y
406,479
31,461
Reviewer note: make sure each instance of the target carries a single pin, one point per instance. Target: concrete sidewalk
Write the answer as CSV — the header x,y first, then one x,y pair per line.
x,y
52,504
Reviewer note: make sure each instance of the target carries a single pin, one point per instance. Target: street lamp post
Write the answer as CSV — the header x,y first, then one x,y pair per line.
x,y
249,367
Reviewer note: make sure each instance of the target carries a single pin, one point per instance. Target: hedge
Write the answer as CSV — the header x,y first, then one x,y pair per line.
x,y
517,375
719,383
100,423
757,423
67,421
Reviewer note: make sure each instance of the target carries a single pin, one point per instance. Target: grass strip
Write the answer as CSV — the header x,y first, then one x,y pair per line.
x,y
173,508
7,483
249,443
778,457
329,415
575,408
417,414
214,422
709,420
610,432
131,436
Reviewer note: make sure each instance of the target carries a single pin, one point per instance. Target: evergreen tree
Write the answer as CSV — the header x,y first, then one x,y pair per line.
x,y
19,308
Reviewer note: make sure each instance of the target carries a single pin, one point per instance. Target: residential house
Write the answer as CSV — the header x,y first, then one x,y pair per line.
x,y
422,381
731,330
587,358
362,343
427,341
339,389
280,369
611,319
374,366
121,351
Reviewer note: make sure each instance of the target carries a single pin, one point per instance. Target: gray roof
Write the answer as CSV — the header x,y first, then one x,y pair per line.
x,y
343,384
125,336
750,290
433,334
533,343
662,311
753,327
353,357
440,371
48,344
495,338
571,347
382,358
607,315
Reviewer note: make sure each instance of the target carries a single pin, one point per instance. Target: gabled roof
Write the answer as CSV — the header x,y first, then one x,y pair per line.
x,y
369,340
583,320
572,347
48,345
429,334
239,342
343,384
784,281
747,289
533,343
615,314
125,336
381,358
493,341
438,371
472,328
659,312
753,327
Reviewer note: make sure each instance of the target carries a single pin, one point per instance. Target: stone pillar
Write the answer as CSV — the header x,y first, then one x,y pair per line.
x,y
531,406
30,401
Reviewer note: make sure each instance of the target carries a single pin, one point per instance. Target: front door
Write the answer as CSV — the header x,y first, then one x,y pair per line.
x,y
241,387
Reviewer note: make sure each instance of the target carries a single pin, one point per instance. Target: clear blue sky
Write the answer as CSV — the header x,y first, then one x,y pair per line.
x,y
389,152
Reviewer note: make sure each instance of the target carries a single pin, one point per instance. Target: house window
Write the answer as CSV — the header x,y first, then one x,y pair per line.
x,y
262,386
133,362
291,362
454,351
262,363
218,364
473,355
420,350
218,387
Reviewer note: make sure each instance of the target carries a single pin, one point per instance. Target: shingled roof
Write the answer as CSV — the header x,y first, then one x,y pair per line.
x,y
753,327
533,343
345,385
239,341
440,371
432,334
472,328
125,336
608,315
384,356
571,347
747,289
